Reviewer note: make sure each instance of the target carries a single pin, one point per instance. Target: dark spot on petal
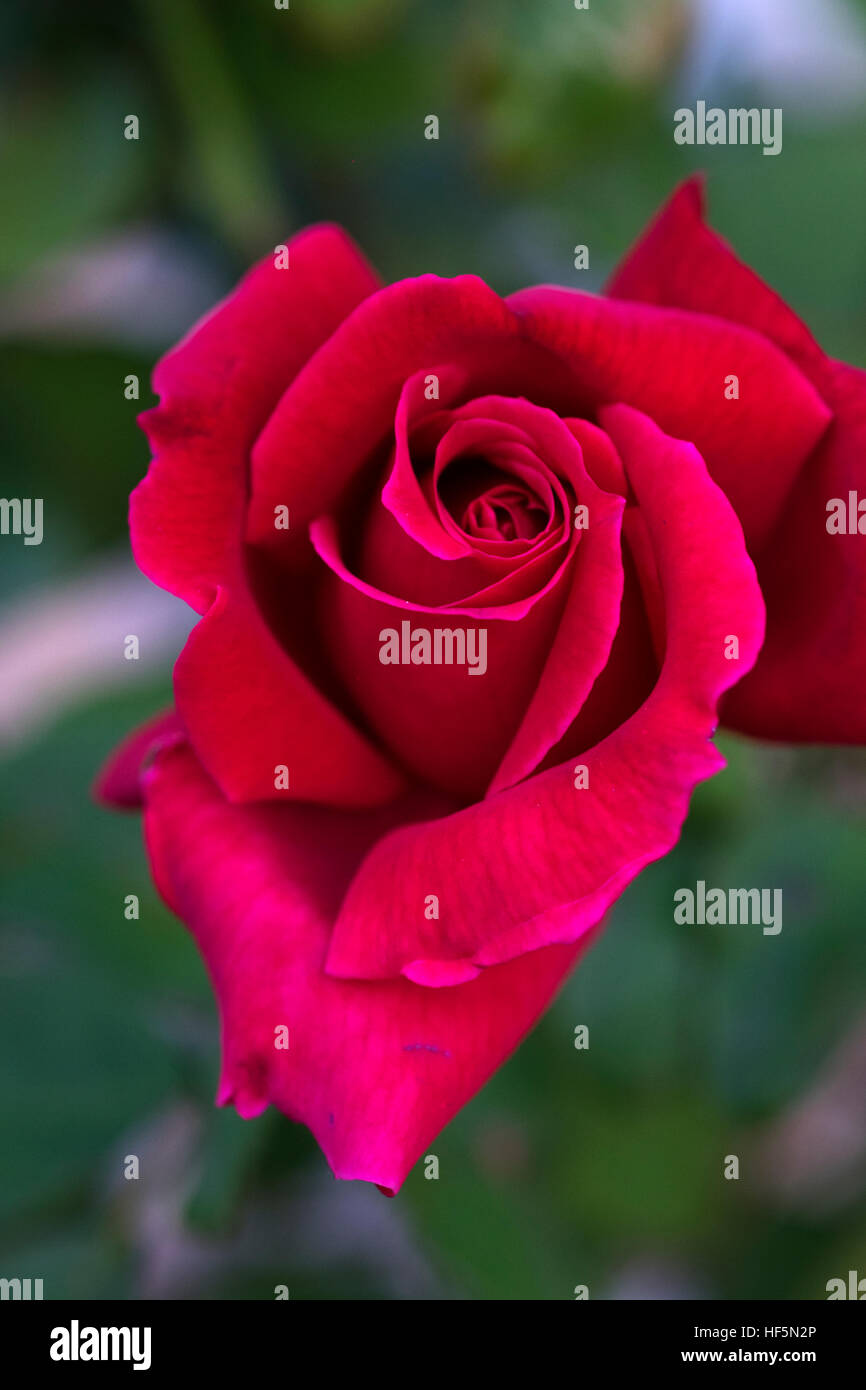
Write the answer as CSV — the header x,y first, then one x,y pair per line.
x,y
426,1047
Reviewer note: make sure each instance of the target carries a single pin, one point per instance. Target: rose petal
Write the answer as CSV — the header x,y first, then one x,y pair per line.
x,y
402,494
680,262
448,727
217,389
810,681
674,366
509,599
119,780
392,566
249,710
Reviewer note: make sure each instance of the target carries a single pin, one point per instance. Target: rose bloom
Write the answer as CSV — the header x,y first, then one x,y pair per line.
x,y
391,860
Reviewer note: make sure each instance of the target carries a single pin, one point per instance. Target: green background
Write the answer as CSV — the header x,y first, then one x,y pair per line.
x,y
601,1167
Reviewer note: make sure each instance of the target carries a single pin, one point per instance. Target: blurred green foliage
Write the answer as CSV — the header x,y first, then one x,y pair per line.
x,y
571,1165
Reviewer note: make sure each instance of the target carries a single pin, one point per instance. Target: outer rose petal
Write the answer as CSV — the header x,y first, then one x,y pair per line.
x,y
810,683
680,262
810,679
501,888
673,365
374,1070
119,779
244,701
217,389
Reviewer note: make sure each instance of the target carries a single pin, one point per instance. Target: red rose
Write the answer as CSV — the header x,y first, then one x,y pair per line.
x,y
469,604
